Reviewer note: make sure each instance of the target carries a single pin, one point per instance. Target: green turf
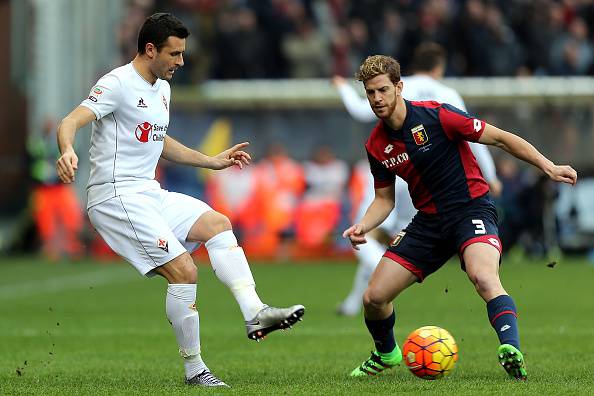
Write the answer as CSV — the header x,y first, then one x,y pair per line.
x,y
100,329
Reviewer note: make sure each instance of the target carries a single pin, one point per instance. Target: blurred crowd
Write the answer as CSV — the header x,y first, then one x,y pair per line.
x,y
280,208
246,39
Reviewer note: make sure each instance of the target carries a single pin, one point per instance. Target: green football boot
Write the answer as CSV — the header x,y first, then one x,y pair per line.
x,y
512,361
378,362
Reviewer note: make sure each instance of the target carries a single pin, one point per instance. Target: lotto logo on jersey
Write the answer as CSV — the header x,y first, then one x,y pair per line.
x,y
143,131
420,135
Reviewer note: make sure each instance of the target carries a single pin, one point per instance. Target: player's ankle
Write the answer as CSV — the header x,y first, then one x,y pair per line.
x,y
390,355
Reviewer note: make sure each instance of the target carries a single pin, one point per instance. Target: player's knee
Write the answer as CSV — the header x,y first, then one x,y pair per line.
x,y
182,270
218,223
484,282
374,298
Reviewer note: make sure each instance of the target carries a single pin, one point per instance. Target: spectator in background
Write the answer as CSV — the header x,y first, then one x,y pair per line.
x,y
359,43
572,52
307,50
232,192
319,212
240,46
505,55
280,186
292,38
390,37
55,206
522,206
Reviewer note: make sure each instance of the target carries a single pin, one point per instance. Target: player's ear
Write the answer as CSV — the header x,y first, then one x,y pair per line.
x,y
150,50
399,85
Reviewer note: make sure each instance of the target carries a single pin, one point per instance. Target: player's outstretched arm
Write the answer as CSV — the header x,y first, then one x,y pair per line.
x,y
67,163
523,150
355,105
177,152
378,211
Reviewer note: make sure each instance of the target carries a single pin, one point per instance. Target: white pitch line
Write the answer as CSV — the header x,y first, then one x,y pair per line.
x,y
66,282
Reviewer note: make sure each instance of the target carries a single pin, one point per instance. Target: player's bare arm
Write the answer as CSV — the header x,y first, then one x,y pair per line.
x,y
523,150
378,211
177,152
67,164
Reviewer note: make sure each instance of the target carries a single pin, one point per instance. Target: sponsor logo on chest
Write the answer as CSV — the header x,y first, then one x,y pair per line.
x,y
146,132
397,159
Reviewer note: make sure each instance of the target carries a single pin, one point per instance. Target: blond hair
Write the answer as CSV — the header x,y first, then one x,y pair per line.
x,y
379,64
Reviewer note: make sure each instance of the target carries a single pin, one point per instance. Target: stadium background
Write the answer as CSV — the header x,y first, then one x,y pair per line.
x,y
260,71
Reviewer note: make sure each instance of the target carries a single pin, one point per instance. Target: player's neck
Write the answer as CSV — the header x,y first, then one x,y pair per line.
x,y
142,68
396,120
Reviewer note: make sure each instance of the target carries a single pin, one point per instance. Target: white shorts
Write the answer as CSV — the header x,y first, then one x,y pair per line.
x,y
149,228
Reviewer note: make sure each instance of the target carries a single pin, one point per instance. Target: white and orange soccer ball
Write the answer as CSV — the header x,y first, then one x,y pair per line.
x,y
430,352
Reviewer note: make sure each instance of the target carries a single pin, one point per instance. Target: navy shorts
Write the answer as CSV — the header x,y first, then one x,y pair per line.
x,y
430,240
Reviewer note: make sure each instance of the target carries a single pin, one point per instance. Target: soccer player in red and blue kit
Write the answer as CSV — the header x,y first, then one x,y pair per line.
x,y
425,143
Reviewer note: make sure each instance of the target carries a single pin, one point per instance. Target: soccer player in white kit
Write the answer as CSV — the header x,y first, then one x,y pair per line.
x,y
152,228
429,64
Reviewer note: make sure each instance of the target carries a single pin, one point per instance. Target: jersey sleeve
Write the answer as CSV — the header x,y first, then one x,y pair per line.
x,y
104,96
381,176
457,124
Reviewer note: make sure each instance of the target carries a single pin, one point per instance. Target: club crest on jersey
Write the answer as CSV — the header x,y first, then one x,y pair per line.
x,y
143,131
163,244
420,135
398,238
165,102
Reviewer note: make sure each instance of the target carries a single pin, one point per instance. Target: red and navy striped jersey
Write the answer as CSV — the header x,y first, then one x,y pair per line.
x,y
431,154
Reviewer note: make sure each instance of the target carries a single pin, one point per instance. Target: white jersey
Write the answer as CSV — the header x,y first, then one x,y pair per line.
x,y
132,117
422,87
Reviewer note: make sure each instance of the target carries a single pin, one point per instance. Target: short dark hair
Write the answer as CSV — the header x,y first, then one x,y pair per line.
x,y
427,57
158,28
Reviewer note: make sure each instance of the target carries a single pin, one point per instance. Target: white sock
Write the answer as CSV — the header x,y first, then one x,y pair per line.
x,y
369,255
180,306
231,267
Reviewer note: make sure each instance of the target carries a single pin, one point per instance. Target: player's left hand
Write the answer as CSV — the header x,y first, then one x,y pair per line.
x,y
356,235
230,157
563,173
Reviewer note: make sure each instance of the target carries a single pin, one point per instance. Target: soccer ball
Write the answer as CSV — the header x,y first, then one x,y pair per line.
x,y
430,352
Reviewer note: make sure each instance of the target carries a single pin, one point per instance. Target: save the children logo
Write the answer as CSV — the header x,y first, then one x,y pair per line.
x,y
143,131
147,131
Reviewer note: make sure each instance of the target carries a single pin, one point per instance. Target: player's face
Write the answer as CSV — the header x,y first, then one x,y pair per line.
x,y
169,58
383,95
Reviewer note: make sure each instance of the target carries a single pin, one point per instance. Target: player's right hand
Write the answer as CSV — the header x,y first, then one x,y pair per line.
x,y
67,165
338,81
563,173
356,235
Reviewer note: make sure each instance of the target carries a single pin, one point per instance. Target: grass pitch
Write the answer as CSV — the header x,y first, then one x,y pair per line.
x,y
100,329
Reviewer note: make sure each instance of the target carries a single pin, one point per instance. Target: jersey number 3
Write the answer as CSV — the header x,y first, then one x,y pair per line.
x,y
480,227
